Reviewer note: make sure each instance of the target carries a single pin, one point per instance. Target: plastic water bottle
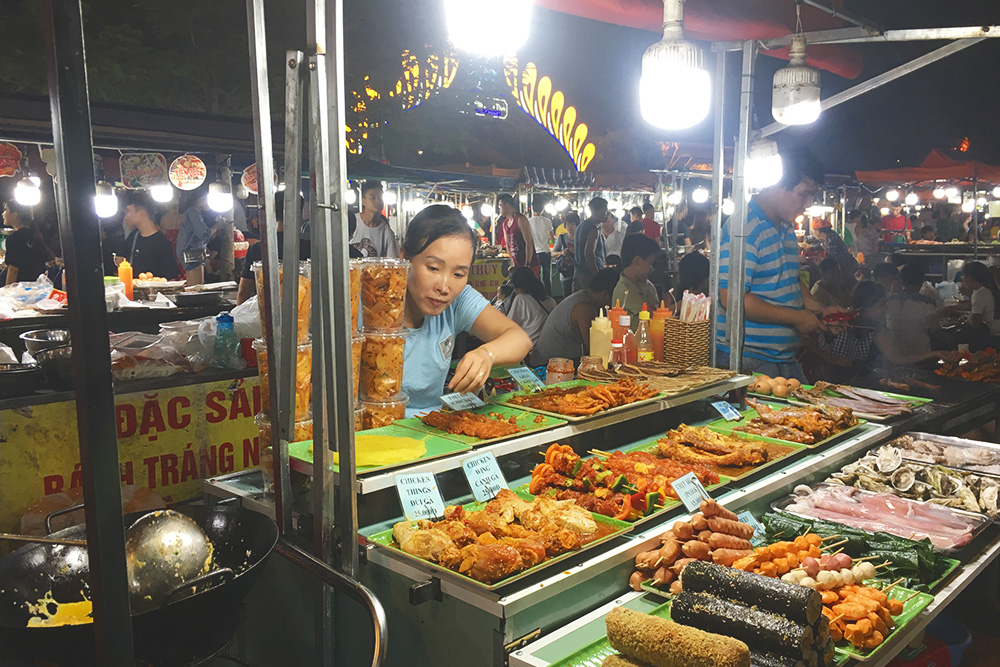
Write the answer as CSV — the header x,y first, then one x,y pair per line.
x,y
225,339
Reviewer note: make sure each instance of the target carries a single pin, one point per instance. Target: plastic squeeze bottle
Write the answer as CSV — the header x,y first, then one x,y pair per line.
x,y
615,314
643,337
600,338
657,326
628,339
125,276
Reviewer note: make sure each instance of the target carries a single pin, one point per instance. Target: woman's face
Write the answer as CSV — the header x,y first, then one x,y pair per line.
x,y
8,216
439,274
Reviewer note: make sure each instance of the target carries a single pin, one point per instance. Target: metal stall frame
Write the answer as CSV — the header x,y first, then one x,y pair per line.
x,y
961,38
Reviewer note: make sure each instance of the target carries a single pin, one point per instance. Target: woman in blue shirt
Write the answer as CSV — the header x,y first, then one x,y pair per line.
x,y
440,303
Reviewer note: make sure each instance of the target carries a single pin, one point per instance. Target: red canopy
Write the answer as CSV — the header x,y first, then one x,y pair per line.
x,y
936,167
725,20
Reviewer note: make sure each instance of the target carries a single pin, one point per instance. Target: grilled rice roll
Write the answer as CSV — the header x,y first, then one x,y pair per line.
x,y
760,629
797,603
661,643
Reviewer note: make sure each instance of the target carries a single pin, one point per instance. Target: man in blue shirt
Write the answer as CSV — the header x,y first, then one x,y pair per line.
x,y
779,310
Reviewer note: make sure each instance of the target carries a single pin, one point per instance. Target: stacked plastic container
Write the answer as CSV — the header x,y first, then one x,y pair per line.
x,y
380,373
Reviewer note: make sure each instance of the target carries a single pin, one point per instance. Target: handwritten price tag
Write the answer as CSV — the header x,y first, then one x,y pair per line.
x,y
729,413
758,529
462,401
484,475
526,378
690,491
419,496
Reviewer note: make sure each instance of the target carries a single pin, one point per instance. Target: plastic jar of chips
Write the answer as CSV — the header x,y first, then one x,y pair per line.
x,y
384,412
303,431
359,418
357,344
305,295
383,293
303,379
355,292
381,365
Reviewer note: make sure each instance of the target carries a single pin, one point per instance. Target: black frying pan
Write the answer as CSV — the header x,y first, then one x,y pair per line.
x,y
243,540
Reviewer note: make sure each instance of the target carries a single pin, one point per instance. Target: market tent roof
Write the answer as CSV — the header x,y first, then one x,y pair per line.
x,y
466,179
361,168
558,179
725,20
936,167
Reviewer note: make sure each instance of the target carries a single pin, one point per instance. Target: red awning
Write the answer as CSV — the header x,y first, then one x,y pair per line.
x,y
936,167
724,20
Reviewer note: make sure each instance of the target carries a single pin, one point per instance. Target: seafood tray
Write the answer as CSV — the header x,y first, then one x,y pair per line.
x,y
980,522
503,399
914,401
385,540
990,453
722,425
885,469
528,421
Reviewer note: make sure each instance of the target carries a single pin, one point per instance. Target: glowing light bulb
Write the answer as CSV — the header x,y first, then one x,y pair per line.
x,y
220,197
911,199
105,201
795,95
951,192
892,195
939,193
550,208
467,212
389,198
728,207
488,27
486,210
968,206
764,167
884,211
561,204
350,197
996,192
26,193
675,197
162,193
700,195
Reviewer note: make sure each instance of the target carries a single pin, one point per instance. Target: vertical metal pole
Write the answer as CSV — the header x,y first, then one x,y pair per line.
x,y
718,191
79,232
261,102
737,223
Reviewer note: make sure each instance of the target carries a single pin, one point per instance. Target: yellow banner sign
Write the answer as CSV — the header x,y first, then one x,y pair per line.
x,y
486,276
168,441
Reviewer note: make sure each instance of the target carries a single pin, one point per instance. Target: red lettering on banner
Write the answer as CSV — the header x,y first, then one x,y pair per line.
x,y
241,405
251,452
208,462
214,404
151,470
189,465
126,471
152,416
174,417
168,469
52,484
126,420
226,458
76,479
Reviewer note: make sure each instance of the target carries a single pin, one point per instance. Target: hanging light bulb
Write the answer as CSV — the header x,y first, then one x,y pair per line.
x,y
968,206
675,197
488,27
795,96
764,166
26,193
35,180
561,204
981,201
884,211
996,192
951,192
486,210
911,199
162,193
892,195
350,197
700,195
389,198
241,191
675,91
728,207
939,193
281,187
105,201
220,197
550,208
467,212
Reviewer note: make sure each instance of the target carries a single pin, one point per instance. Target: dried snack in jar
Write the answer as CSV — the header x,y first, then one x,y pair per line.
x,y
357,344
383,413
383,293
305,295
355,292
359,418
303,431
381,371
303,379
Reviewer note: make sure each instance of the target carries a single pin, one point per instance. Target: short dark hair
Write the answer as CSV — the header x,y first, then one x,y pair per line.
x,y
854,214
524,278
692,270
635,210
912,275
828,264
507,199
799,165
23,212
866,294
598,204
142,199
352,223
614,261
638,245
605,280
648,208
925,229
433,223
537,204
370,185
885,270
571,218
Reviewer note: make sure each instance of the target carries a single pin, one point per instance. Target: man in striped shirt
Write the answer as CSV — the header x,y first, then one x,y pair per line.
x,y
778,309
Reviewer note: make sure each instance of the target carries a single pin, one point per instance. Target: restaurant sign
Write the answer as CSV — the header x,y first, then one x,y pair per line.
x,y
188,172
487,275
168,441
143,170
10,159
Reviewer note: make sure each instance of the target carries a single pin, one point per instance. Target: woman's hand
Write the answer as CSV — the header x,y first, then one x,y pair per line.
x,y
472,371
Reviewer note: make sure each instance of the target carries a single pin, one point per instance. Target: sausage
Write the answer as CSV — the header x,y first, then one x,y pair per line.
x,y
663,578
711,507
704,535
683,531
635,581
676,588
679,566
698,522
723,541
728,556
696,549
735,528
667,536
669,553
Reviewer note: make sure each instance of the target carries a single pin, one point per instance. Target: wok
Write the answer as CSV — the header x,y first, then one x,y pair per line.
x,y
243,540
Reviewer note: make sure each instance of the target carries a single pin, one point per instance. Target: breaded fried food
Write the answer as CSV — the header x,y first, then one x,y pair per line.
x,y
618,660
662,643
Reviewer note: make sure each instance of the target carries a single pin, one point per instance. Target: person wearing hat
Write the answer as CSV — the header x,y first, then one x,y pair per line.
x,y
895,224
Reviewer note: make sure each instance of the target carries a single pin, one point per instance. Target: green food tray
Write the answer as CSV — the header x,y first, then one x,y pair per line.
x,y
385,540
913,604
594,653
524,419
722,425
301,458
504,399
914,401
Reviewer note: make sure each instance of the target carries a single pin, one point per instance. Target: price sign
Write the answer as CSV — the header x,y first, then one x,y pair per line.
x,y
758,529
462,401
690,491
728,412
419,496
526,378
484,475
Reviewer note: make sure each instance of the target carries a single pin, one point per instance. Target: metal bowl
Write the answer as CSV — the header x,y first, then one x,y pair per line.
x,y
57,365
19,380
42,339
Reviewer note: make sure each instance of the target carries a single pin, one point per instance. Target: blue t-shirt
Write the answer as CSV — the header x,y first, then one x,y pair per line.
x,y
427,355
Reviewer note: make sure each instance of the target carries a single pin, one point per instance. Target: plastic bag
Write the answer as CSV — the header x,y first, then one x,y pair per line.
x,y
27,294
246,319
